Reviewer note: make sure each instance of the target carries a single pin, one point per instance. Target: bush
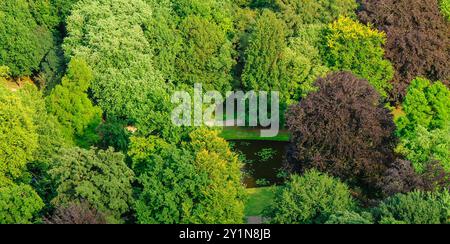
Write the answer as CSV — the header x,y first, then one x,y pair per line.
x,y
309,199
400,177
445,8
415,208
352,218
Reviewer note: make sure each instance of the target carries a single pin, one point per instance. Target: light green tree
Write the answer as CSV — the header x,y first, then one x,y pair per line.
x,y
424,129
352,46
304,12
310,199
70,103
19,204
199,182
110,36
18,136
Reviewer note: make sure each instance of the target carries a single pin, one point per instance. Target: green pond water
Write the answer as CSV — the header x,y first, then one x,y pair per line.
x,y
263,161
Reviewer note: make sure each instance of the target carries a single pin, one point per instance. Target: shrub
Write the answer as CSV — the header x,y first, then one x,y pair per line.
x,y
352,218
309,199
415,208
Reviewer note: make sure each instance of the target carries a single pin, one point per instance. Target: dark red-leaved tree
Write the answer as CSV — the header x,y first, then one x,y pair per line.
x,y
418,39
343,130
76,213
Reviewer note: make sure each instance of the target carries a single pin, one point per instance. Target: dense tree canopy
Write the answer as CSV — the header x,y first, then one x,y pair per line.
x,y
24,36
264,68
18,136
19,204
86,99
101,178
200,182
109,35
302,12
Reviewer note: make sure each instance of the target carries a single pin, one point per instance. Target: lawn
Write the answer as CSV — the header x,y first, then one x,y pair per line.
x,y
250,134
259,199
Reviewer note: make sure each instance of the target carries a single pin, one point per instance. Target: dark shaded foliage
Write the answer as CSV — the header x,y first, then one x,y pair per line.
x,y
342,129
400,178
418,39
435,177
76,213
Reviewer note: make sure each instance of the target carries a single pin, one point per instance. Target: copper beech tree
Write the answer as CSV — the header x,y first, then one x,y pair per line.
x,y
418,39
343,130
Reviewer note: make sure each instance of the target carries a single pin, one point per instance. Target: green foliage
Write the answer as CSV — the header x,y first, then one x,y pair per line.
x,y
424,129
164,37
70,103
199,182
310,199
415,208
206,55
24,36
101,178
264,68
50,138
304,61
19,204
18,136
299,12
423,147
109,35
425,104
445,8
62,8
348,217
113,133
351,46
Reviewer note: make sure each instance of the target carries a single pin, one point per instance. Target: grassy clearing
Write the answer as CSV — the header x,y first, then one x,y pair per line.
x,y
259,199
250,134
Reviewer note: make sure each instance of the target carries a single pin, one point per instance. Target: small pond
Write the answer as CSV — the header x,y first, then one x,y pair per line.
x,y
263,161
